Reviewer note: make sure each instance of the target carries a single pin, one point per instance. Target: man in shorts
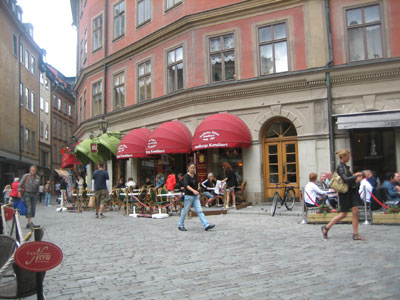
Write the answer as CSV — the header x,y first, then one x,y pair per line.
x,y
100,178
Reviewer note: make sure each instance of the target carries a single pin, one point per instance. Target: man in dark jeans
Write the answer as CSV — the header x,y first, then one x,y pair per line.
x,y
30,182
100,177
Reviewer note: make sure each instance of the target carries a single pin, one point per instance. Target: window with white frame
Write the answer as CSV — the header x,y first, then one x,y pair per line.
x,y
97,99
27,100
41,103
21,94
119,90
84,106
172,3
175,69
27,60
15,45
46,84
81,53
364,33
144,80
80,110
85,46
46,132
119,19
22,135
33,102
33,65
222,58
54,127
69,110
60,129
33,139
46,107
143,11
41,131
97,32
59,104
21,53
273,49
41,78
27,141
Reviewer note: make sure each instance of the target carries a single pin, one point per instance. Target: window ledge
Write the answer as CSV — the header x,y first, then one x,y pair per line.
x,y
116,39
143,24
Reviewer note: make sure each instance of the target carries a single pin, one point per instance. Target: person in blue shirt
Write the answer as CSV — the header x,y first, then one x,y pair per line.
x,y
159,181
393,196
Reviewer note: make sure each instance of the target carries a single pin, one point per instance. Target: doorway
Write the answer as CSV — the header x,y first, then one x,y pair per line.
x,y
280,157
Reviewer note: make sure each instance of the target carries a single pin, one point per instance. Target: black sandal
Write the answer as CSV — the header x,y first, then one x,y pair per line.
x,y
358,237
325,234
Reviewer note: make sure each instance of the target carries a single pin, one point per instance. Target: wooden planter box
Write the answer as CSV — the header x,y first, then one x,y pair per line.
x,y
315,218
381,218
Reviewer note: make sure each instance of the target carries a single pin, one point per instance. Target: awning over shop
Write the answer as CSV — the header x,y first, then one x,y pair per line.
x,y
69,160
83,152
221,131
134,144
376,119
170,137
108,142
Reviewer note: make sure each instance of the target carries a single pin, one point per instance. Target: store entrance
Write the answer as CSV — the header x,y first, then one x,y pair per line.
x,y
373,149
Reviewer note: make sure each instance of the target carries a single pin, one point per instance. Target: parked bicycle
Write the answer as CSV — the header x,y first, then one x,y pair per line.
x,y
289,197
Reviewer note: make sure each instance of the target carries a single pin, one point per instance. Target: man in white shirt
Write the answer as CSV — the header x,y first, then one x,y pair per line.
x,y
312,193
365,187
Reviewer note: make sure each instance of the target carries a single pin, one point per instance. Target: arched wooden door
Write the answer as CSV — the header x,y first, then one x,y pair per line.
x,y
280,157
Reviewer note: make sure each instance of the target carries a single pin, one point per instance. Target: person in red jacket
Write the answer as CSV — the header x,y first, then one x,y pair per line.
x,y
14,188
171,181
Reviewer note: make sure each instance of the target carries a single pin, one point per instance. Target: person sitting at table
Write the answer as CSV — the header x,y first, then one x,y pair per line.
x,y
148,182
208,187
328,177
130,184
392,195
322,182
313,194
120,184
159,181
365,189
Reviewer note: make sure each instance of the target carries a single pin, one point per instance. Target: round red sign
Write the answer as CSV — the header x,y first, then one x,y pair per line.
x,y
38,256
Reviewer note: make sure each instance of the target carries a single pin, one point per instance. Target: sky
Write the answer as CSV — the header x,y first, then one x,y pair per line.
x,y
53,31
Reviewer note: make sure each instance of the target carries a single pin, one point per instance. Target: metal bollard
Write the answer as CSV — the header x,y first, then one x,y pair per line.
x,y
304,221
366,222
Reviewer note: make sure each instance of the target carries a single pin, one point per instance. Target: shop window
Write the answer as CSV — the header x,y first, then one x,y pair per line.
x,y
222,58
273,49
231,155
364,33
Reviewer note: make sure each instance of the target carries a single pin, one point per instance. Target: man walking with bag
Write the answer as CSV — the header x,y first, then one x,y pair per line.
x,y
28,190
100,178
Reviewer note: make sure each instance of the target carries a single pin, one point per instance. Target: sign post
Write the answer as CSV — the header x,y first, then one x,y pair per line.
x,y
38,257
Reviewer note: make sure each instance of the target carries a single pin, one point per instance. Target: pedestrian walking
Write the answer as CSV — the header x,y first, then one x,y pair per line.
x,y
41,192
28,190
47,191
192,198
6,192
231,183
348,200
100,177
14,189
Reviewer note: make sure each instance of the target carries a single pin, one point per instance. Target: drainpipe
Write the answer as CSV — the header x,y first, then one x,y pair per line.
x,y
329,88
105,55
21,95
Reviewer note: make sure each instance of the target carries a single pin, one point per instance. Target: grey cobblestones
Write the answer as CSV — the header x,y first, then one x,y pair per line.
x,y
247,256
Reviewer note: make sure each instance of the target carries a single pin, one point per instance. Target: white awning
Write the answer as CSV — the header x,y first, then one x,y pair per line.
x,y
376,119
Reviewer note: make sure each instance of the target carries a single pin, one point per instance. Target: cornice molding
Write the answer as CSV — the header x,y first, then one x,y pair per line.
x,y
371,76
180,26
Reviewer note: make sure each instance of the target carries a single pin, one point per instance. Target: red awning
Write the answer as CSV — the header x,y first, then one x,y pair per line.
x,y
170,137
134,144
221,131
69,160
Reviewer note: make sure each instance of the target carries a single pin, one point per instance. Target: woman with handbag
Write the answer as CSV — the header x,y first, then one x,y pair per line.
x,y
348,199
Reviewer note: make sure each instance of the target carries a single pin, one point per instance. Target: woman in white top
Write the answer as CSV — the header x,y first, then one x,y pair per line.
x,y
312,193
365,187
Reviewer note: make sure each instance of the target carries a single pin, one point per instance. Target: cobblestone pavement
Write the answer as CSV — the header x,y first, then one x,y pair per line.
x,y
246,256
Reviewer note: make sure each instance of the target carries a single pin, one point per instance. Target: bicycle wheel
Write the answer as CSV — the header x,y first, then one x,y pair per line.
x,y
274,204
290,198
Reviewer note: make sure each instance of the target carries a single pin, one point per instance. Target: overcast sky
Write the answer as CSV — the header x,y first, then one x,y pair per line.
x,y
53,31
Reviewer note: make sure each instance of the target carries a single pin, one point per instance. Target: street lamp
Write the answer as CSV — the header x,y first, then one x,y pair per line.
x,y
103,124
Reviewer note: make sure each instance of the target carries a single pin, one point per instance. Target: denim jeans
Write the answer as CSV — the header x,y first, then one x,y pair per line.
x,y
30,202
208,195
47,199
195,202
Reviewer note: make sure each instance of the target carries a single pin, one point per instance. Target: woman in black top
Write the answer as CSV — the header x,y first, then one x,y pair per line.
x,y
192,198
348,200
231,183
